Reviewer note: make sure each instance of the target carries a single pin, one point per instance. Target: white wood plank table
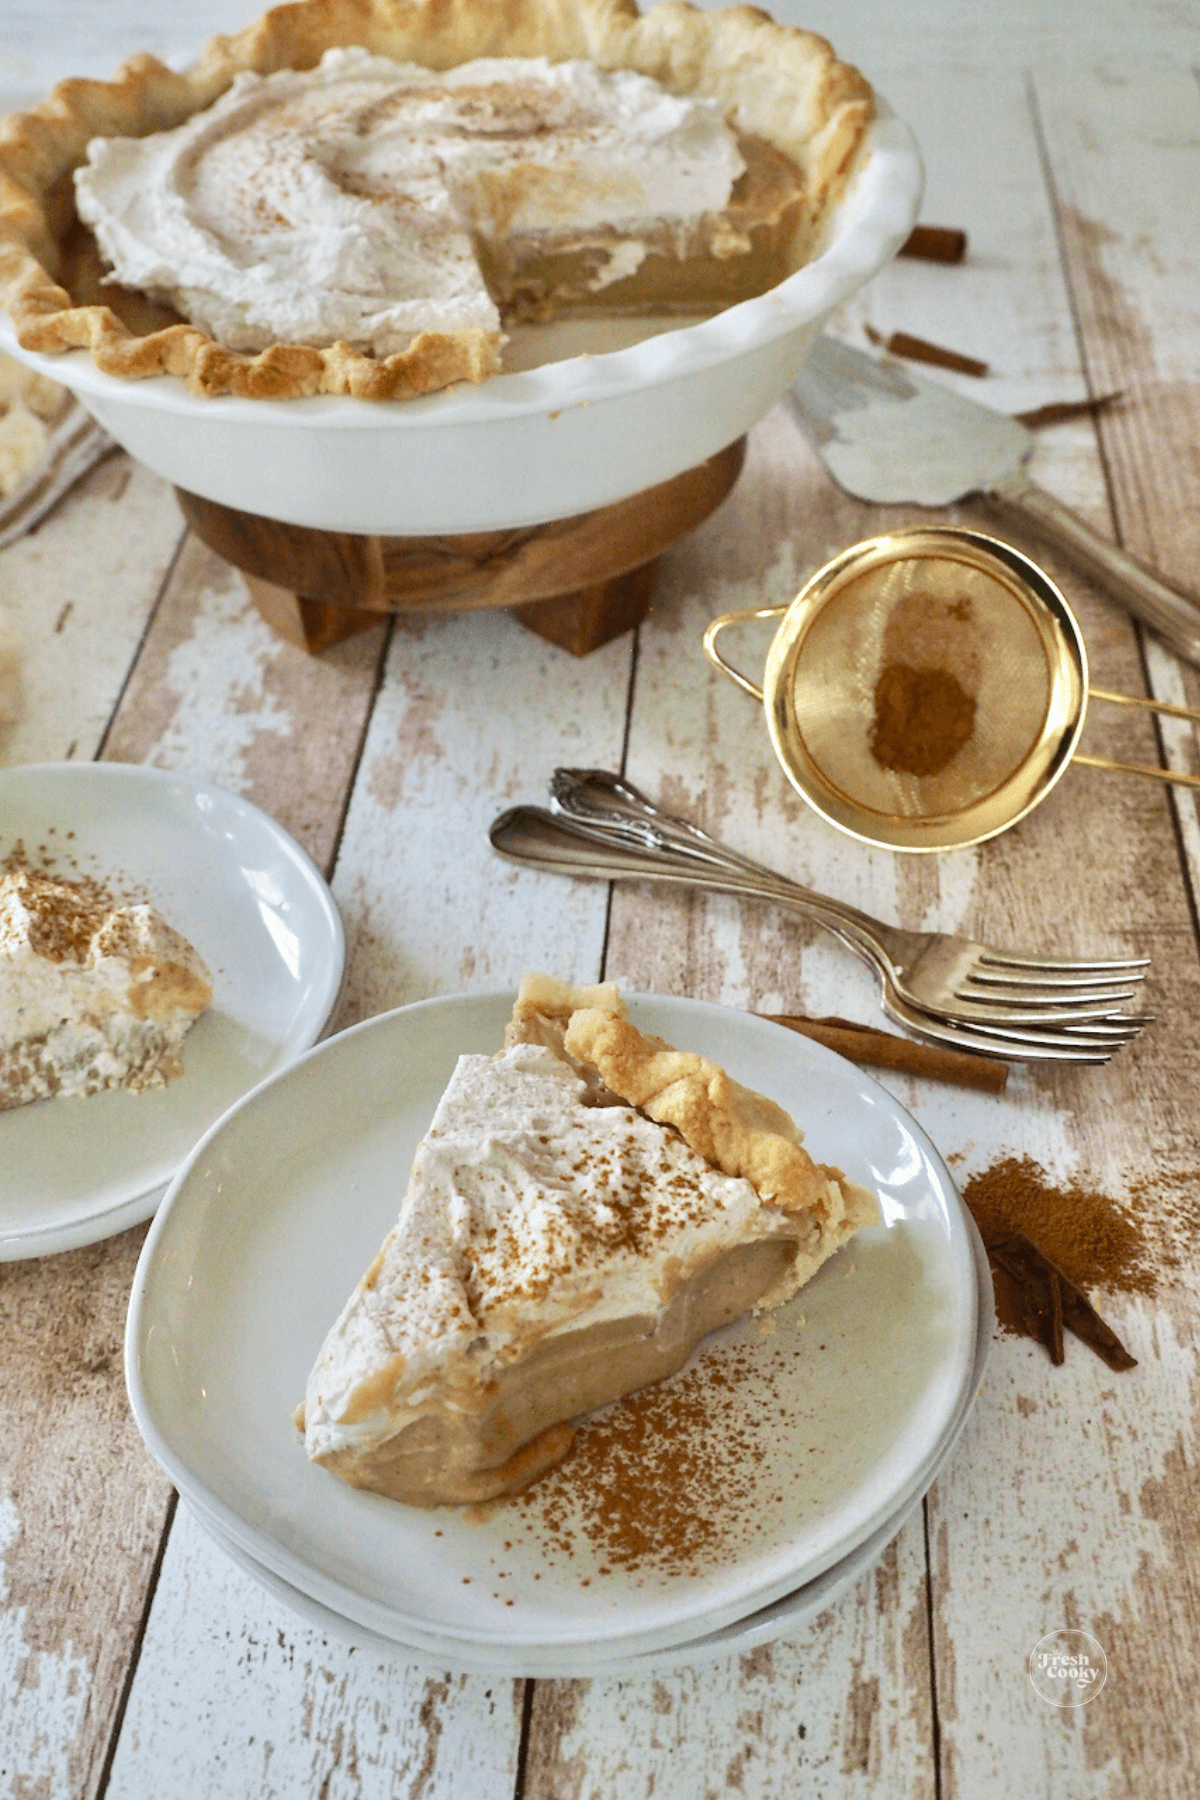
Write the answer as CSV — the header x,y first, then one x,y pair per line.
x,y
134,1661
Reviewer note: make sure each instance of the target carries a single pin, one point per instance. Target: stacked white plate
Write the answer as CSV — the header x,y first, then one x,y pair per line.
x,y
842,1416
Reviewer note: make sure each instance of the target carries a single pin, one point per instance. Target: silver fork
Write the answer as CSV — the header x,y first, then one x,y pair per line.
x,y
544,840
1039,1008
936,971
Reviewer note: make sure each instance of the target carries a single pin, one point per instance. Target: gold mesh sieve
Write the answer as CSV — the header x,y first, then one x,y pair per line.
x,y
927,688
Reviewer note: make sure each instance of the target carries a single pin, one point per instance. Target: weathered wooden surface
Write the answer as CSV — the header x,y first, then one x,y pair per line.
x,y
214,689
840,1709
133,1658
283,1711
82,1506
1016,1498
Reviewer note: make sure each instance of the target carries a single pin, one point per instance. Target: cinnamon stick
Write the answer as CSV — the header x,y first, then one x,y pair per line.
x,y
1041,1293
903,343
935,243
1056,412
1049,1301
884,1050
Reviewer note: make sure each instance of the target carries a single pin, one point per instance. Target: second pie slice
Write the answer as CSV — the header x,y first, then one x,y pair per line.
x,y
586,1206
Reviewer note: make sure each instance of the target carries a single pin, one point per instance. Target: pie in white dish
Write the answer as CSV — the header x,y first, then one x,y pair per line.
x,y
590,96
586,1206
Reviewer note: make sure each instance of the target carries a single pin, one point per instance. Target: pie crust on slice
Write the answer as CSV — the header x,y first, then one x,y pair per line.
x,y
585,1207
799,115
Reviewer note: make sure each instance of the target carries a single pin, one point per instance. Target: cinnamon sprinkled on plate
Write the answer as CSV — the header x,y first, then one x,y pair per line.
x,y
668,1480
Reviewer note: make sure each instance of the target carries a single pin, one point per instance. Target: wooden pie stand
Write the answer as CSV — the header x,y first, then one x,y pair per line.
x,y
577,582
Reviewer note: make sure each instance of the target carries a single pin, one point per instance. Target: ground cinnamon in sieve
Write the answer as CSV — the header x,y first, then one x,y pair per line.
x,y
923,717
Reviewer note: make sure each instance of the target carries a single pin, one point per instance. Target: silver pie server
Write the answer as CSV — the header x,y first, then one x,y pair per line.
x,y
890,437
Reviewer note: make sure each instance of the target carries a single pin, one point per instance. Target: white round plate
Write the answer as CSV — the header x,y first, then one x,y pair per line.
x,y
531,1664
278,1211
245,894
780,1620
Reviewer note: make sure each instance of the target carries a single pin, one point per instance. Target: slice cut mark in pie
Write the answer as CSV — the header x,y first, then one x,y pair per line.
x,y
587,1205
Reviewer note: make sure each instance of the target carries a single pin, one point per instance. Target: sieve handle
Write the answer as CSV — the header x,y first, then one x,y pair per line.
x,y
1169,776
1174,615
737,618
1151,773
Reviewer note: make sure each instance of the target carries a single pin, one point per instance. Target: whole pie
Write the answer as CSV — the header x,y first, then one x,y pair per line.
x,y
357,196
587,1204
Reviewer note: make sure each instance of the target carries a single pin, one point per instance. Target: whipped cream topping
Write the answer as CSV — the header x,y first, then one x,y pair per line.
x,y
344,202
528,1213
91,995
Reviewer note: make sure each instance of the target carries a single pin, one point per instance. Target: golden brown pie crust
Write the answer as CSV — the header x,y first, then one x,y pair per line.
x,y
774,82
732,1127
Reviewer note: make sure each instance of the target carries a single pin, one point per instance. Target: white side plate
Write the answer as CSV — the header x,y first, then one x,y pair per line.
x,y
783,1619
260,914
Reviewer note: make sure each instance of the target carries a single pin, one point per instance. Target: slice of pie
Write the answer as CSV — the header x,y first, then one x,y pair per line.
x,y
92,995
585,1207
355,196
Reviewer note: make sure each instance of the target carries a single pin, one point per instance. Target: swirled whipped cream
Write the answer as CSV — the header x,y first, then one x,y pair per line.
x,y
92,995
349,202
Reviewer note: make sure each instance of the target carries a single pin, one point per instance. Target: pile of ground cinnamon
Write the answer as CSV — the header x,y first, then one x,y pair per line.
x,y
923,717
1094,1241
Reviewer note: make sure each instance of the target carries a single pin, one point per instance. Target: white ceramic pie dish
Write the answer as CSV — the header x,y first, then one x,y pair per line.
x,y
522,448
273,1219
782,1619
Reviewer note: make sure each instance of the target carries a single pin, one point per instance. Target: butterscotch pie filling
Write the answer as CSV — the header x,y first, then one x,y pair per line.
x,y
585,1207
356,196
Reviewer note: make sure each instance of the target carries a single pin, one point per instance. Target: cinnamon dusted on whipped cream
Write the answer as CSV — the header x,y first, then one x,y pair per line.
x,y
559,1246
92,995
797,116
356,201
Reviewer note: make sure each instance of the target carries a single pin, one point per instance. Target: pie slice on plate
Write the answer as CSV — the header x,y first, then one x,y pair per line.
x,y
585,1207
92,995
